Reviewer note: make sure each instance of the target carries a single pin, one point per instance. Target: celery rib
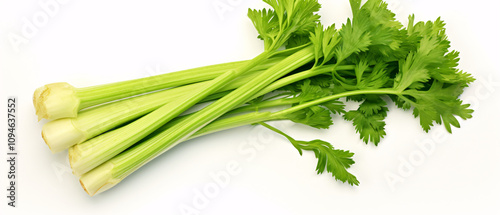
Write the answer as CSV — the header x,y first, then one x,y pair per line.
x,y
90,154
90,96
98,120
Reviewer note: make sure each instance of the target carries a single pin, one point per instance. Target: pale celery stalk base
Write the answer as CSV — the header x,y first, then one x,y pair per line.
x,y
49,105
60,134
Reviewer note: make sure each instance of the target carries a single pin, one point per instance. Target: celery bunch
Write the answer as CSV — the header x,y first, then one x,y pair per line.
x,y
112,130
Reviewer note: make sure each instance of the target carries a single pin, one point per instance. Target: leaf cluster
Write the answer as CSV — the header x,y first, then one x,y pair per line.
x,y
413,66
287,19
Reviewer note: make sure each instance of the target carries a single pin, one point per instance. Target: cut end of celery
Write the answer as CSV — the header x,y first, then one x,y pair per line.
x,y
55,101
79,160
84,188
99,179
61,134
73,156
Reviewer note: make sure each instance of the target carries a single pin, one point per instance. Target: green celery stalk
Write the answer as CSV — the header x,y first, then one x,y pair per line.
x,y
63,133
61,100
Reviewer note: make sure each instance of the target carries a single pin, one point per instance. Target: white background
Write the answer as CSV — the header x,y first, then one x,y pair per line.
x,y
93,42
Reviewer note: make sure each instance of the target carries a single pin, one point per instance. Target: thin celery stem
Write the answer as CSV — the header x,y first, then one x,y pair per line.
x,y
301,76
233,122
265,104
388,91
256,117
90,96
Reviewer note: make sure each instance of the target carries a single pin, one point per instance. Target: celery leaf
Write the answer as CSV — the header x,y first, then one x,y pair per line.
x,y
331,160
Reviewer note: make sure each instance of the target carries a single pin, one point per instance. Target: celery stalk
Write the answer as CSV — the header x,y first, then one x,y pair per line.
x,y
63,133
90,154
61,100
129,161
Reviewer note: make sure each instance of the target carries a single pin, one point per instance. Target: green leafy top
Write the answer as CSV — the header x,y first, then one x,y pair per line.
x,y
413,66
425,78
288,18
325,42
